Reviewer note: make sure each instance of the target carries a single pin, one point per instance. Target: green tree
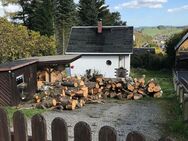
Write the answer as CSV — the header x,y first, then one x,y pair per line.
x,y
64,19
171,44
16,42
35,14
41,17
87,12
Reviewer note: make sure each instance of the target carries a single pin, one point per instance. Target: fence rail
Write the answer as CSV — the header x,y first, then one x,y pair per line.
x,y
82,131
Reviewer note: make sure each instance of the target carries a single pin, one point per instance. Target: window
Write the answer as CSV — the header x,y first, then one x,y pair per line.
x,y
20,79
109,63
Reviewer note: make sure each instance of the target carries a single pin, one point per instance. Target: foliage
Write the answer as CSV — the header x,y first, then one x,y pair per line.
x,y
87,12
36,15
171,44
17,41
141,39
97,10
149,61
64,18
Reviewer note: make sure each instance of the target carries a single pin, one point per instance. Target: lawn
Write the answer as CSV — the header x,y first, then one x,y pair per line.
x,y
175,127
153,31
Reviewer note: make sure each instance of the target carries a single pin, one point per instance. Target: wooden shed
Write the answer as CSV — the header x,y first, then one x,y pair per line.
x,y
17,78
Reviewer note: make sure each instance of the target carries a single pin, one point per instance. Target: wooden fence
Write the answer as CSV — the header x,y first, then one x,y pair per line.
x,y
181,88
82,131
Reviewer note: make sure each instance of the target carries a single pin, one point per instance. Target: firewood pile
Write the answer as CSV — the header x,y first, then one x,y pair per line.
x,y
75,92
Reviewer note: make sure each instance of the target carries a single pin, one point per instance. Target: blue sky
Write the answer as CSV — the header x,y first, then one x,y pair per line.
x,y
151,12
143,12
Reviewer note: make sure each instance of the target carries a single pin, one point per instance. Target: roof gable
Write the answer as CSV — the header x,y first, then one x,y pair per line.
x,y
113,39
181,41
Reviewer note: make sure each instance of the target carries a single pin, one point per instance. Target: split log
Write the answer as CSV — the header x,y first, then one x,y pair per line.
x,y
69,84
130,87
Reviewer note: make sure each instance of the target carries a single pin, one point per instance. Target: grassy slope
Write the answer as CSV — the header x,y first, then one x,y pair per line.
x,y
175,127
153,31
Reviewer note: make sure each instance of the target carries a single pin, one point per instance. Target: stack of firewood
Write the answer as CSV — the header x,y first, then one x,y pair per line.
x,y
75,92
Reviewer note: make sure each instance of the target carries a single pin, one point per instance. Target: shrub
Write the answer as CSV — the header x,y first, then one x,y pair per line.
x,y
17,42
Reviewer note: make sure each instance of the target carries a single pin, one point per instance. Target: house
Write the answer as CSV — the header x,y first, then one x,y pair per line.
x,y
20,79
103,49
182,53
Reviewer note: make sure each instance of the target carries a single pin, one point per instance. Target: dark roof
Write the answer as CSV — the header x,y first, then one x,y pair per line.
x,y
181,41
42,61
10,66
56,59
113,39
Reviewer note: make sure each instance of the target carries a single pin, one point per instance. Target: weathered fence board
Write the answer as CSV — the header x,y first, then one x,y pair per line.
x,y
135,136
82,132
107,133
20,127
59,130
4,126
39,132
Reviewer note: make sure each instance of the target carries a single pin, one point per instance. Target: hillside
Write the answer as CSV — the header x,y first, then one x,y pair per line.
x,y
154,36
159,30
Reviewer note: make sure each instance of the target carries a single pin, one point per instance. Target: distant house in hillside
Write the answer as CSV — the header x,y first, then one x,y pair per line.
x,y
182,53
102,48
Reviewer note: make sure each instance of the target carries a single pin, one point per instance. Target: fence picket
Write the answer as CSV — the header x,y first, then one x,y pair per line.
x,y
107,133
59,130
135,136
39,132
82,132
4,126
20,127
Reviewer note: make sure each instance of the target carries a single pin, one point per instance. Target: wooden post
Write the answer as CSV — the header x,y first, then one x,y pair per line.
x,y
39,132
181,94
135,136
107,133
4,126
59,130
20,127
185,107
178,90
82,132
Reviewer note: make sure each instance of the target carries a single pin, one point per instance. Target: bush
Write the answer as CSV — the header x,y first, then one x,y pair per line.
x,y
150,61
17,42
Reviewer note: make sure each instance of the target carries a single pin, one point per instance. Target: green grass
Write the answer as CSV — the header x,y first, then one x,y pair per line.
x,y
27,112
153,31
175,126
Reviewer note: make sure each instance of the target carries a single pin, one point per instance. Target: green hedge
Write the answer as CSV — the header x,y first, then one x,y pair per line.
x,y
150,61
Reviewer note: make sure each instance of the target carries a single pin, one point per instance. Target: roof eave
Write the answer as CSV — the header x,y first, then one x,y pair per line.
x,y
181,41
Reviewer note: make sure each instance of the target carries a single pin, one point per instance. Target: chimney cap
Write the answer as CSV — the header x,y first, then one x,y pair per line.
x,y
100,20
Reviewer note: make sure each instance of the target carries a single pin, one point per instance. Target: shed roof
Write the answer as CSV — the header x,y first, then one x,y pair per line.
x,y
10,66
56,59
42,61
112,40
181,41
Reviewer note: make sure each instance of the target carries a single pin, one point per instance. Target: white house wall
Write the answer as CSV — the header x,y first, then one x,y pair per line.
x,y
98,63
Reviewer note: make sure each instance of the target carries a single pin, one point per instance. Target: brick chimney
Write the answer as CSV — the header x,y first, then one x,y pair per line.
x,y
99,26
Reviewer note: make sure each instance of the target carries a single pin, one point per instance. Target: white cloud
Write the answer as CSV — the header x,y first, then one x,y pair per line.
x,y
76,1
142,3
1,10
9,8
185,7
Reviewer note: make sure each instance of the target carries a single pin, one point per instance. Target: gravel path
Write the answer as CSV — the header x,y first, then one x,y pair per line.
x,y
144,116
